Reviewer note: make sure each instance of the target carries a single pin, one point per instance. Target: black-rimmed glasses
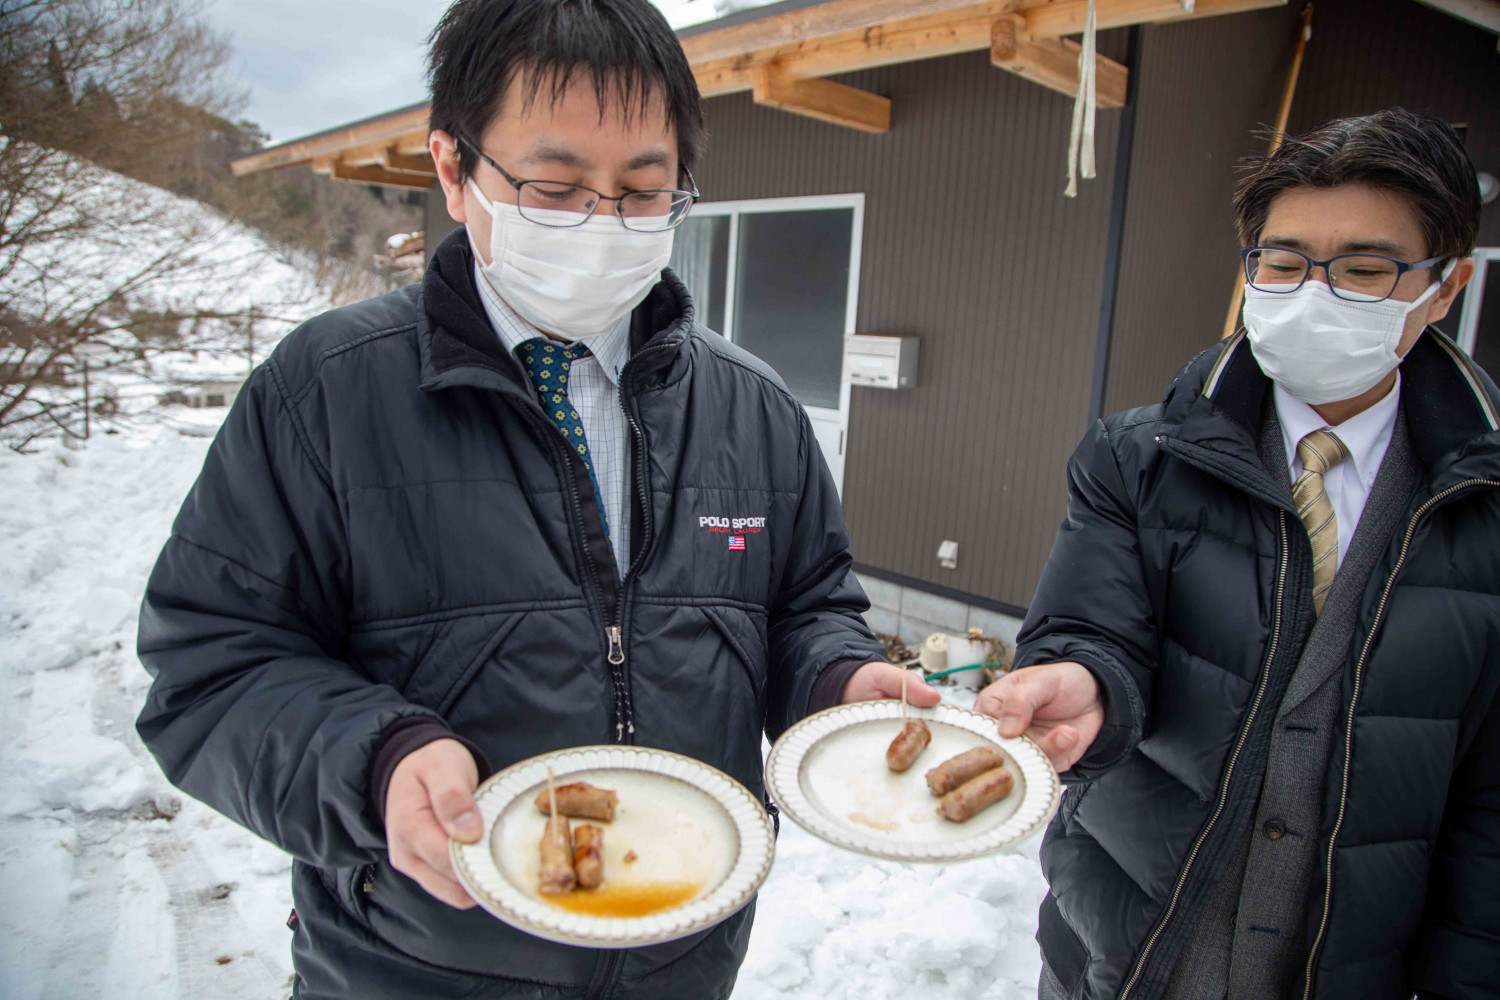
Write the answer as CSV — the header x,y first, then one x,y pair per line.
x,y
562,205
1358,277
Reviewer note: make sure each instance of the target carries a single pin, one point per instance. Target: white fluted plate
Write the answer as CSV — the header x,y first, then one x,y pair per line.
x,y
689,825
828,774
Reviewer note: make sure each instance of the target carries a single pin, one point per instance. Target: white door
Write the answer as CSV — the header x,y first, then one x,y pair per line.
x,y
780,278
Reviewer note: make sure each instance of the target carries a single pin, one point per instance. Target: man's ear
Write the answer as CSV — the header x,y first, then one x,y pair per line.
x,y
444,152
1463,270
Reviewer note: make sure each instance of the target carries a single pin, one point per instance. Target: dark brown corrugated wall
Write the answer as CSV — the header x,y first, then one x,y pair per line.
x,y
1205,87
970,245
1367,56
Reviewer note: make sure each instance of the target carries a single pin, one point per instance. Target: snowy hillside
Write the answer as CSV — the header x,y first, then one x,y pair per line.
x,y
156,292
113,886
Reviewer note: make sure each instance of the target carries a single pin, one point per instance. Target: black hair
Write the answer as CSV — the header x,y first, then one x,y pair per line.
x,y
1417,156
481,48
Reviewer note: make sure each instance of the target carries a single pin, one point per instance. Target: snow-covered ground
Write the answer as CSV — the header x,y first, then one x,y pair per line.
x,y
112,885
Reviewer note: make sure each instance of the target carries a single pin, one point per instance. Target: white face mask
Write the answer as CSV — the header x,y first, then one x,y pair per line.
x,y
1322,348
576,281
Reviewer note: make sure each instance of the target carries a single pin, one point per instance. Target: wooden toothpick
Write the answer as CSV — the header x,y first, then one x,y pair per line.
x,y
552,792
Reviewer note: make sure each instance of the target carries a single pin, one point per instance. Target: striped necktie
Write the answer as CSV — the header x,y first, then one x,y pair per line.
x,y
1319,451
547,365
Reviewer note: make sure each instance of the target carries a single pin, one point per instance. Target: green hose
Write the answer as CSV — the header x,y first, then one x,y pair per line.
x,y
956,670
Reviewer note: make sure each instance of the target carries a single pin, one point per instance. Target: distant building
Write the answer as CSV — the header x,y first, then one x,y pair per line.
x,y
211,394
915,189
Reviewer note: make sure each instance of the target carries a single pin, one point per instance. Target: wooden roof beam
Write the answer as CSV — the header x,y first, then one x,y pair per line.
x,y
419,163
822,99
1066,17
1053,62
412,143
378,175
962,29
838,36
381,129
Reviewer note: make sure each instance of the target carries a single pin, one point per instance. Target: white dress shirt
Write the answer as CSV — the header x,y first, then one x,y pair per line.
x,y
1366,435
593,389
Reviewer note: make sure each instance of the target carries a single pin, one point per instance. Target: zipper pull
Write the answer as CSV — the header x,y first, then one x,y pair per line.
x,y
369,885
616,646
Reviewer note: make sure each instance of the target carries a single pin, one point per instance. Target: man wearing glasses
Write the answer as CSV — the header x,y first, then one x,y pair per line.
x,y
527,506
1266,647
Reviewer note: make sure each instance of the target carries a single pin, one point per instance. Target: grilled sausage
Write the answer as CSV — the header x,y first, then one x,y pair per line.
x,y
556,876
581,800
956,770
588,855
975,794
908,745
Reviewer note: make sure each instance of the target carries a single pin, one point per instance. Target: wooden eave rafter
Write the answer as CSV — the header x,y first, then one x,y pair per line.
x,y
1053,62
783,59
827,45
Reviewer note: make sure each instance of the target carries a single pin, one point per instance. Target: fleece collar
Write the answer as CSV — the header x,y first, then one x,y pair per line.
x,y
459,347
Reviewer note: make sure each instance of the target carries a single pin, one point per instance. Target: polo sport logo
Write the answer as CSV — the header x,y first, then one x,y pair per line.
x,y
736,528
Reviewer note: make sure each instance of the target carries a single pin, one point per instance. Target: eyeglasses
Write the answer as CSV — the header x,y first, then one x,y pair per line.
x,y
1355,276
563,206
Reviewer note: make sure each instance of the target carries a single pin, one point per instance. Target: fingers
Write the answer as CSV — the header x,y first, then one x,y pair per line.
x,y
1014,699
918,691
431,798
452,798
438,884
878,679
1062,745
420,850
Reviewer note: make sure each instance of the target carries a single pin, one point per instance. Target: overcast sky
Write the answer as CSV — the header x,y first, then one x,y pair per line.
x,y
313,64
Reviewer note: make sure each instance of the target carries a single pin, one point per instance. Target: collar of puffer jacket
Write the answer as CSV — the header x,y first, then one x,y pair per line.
x,y
459,347
1452,407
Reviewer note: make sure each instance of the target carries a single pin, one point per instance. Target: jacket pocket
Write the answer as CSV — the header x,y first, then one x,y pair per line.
x,y
455,658
753,666
347,886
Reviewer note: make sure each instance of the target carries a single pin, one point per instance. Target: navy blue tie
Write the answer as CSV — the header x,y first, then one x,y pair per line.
x,y
547,364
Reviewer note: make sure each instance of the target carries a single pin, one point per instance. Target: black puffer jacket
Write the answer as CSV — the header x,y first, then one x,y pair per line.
x,y
388,525
1184,584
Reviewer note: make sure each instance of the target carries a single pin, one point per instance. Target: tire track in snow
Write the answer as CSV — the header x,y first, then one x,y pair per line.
x,y
205,923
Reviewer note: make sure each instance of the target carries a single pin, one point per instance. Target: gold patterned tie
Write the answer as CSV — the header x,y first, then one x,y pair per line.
x,y
1319,451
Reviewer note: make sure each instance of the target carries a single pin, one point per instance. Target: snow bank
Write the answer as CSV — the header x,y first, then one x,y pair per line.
x,y
112,886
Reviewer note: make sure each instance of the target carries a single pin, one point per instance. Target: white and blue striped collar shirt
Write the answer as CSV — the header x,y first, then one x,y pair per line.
x,y
593,389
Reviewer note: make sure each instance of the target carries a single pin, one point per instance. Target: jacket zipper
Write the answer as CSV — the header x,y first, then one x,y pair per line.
x,y
1265,675
625,722
615,655
615,634
1359,668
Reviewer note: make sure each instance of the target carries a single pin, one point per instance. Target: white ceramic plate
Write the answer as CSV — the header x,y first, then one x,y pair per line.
x,y
695,831
828,774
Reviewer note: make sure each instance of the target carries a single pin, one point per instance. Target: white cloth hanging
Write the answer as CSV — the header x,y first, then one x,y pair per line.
x,y
1085,110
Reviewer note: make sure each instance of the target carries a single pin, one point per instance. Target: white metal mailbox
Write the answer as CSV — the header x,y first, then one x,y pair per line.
x,y
881,362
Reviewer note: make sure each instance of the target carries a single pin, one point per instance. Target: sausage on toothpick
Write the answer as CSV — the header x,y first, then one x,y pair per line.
x,y
556,877
910,742
580,800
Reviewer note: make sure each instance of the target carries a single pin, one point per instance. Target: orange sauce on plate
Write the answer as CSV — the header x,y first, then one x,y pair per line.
x,y
639,899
